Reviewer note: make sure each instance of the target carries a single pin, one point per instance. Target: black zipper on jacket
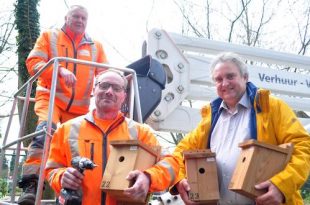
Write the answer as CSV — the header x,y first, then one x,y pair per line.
x,y
104,149
92,148
74,69
105,140
73,88
105,145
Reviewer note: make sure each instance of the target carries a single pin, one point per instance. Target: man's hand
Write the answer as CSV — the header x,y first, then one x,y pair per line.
x,y
141,186
71,179
183,189
68,76
273,196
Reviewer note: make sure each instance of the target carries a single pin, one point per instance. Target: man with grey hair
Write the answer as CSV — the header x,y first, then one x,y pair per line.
x,y
242,111
73,89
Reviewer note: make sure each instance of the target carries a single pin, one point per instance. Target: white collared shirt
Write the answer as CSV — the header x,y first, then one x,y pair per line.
x,y
231,129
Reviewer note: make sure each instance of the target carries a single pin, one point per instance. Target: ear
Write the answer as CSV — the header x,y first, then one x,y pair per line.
x,y
125,97
124,106
246,77
128,77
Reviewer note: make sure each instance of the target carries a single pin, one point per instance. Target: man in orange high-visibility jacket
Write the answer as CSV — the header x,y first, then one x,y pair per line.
x,y
74,86
90,136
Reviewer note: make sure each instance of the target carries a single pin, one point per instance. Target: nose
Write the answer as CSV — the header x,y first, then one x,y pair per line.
x,y
109,90
225,82
79,19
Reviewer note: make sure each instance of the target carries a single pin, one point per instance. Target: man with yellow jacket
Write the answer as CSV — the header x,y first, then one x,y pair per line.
x,y
74,84
90,136
242,112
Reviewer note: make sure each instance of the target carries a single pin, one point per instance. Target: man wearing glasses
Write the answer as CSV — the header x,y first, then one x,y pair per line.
x,y
90,136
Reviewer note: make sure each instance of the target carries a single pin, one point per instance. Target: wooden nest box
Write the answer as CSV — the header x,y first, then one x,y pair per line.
x,y
126,156
202,176
257,163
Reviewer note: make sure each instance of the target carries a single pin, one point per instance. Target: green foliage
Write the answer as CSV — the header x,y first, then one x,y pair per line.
x,y
20,167
12,162
3,187
306,197
4,172
305,192
28,27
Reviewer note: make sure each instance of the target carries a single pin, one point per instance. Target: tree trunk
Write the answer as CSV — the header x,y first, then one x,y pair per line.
x,y
27,25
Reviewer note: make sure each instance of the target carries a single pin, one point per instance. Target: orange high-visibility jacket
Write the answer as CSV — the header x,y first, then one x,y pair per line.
x,y
58,43
83,137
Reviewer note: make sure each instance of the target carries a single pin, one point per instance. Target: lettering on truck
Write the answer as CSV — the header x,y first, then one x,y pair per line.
x,y
279,80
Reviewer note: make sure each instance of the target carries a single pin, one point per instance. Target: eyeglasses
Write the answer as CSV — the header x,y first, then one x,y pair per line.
x,y
105,86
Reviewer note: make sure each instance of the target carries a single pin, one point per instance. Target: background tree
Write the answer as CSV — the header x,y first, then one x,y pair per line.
x,y
5,167
12,162
27,25
8,70
258,23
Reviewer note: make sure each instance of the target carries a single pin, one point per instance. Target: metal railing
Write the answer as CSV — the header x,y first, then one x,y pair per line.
x,y
134,100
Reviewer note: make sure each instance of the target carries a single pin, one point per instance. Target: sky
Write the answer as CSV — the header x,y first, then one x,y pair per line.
x,y
121,26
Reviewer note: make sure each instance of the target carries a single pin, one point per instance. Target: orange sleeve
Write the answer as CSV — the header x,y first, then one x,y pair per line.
x,y
39,56
57,160
164,173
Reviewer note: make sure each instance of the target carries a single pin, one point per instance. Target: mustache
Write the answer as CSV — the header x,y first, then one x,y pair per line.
x,y
106,97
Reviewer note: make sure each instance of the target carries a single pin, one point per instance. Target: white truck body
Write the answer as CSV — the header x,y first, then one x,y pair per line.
x,y
186,61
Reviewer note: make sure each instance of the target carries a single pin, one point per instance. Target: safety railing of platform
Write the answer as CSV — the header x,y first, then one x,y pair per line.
x,y
134,101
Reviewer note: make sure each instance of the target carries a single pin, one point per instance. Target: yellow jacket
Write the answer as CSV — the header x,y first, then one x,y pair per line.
x,y
87,136
273,122
60,43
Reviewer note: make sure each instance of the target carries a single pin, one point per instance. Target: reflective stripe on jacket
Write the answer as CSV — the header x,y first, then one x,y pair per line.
x,y
82,137
57,43
273,122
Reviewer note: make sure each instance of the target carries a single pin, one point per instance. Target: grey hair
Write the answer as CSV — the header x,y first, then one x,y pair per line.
x,y
230,57
73,7
110,70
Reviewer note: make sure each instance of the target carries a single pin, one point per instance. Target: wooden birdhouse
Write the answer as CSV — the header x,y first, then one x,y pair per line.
x,y
257,163
126,156
202,176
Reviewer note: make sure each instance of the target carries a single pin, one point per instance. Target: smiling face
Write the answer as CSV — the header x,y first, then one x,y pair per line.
x,y
230,83
76,19
109,92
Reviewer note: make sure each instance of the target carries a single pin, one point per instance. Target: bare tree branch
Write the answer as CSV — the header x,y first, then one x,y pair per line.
x,y
7,54
4,39
187,19
303,38
6,115
208,19
245,4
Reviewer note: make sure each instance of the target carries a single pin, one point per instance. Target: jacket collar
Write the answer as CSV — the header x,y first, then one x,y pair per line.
x,y
90,116
79,39
216,109
251,90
